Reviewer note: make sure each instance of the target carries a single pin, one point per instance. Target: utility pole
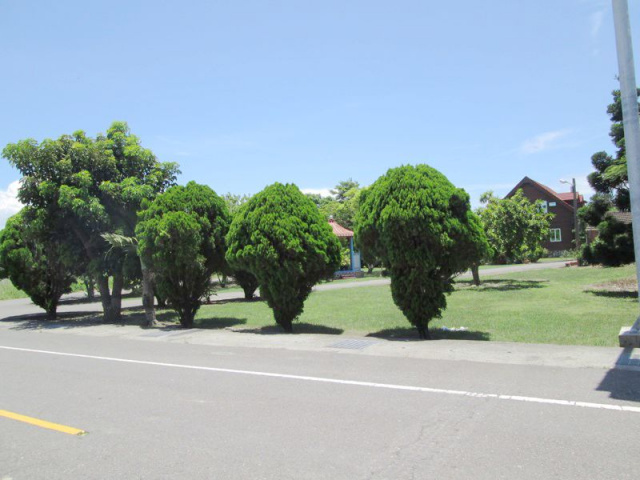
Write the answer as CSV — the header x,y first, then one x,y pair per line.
x,y
576,231
631,122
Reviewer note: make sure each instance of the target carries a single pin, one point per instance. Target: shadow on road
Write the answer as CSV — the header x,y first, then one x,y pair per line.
x,y
411,334
499,285
620,383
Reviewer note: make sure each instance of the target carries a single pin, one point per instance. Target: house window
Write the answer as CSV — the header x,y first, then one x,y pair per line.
x,y
543,206
555,235
552,204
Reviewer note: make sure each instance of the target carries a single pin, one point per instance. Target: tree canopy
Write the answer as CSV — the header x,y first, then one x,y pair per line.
x,y
95,186
280,237
610,176
423,229
34,259
515,227
181,235
614,244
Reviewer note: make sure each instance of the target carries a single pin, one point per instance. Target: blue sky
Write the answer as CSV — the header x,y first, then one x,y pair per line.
x,y
242,94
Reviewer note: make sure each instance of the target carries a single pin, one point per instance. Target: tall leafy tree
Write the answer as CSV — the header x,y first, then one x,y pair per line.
x,y
614,245
34,259
422,228
244,279
515,227
281,238
610,176
342,191
96,187
345,206
181,234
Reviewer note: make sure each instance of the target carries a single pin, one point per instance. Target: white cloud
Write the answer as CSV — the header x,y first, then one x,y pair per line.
x,y
324,192
544,141
9,204
595,22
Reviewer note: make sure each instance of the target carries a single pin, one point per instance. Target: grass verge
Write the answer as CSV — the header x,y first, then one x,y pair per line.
x,y
571,306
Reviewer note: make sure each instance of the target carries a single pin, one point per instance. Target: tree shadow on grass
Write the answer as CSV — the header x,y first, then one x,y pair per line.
x,y
217,323
131,316
411,334
614,294
73,299
500,285
297,328
65,320
234,300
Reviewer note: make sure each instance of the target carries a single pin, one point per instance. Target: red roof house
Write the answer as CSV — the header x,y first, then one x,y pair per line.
x,y
560,204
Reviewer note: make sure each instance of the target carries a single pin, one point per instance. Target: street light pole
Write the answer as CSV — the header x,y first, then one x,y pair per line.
x,y
575,213
631,122
576,232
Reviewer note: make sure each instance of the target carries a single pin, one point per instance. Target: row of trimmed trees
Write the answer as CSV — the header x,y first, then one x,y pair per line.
x,y
106,209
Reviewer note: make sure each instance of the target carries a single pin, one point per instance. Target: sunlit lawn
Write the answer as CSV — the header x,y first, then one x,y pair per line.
x,y
544,306
563,306
9,292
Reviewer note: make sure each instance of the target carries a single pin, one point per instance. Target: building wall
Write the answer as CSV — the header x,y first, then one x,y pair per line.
x,y
562,218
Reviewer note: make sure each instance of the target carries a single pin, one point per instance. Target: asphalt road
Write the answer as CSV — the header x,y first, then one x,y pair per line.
x,y
218,404
158,409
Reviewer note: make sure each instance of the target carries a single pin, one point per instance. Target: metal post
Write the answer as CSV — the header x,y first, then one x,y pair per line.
x,y
576,231
629,97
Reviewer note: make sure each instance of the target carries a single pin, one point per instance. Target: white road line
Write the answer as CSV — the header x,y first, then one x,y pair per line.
x,y
389,386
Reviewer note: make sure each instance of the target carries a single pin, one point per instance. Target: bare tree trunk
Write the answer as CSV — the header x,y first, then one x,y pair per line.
x,y
423,332
105,299
147,295
475,272
116,295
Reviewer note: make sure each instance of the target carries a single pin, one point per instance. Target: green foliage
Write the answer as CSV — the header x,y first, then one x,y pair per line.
x,y
345,190
613,246
95,186
234,202
610,177
515,228
181,237
422,228
247,281
593,213
34,260
280,237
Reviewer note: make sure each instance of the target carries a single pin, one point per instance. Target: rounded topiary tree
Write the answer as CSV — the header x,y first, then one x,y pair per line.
x,y
423,230
35,260
280,237
181,237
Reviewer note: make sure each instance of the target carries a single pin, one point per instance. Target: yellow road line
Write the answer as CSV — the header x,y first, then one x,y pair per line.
x,y
42,423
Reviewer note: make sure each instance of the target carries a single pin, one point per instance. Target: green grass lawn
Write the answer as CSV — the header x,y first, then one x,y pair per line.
x,y
9,292
562,306
577,306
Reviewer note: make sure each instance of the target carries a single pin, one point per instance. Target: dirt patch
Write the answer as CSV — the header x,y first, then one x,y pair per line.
x,y
629,285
